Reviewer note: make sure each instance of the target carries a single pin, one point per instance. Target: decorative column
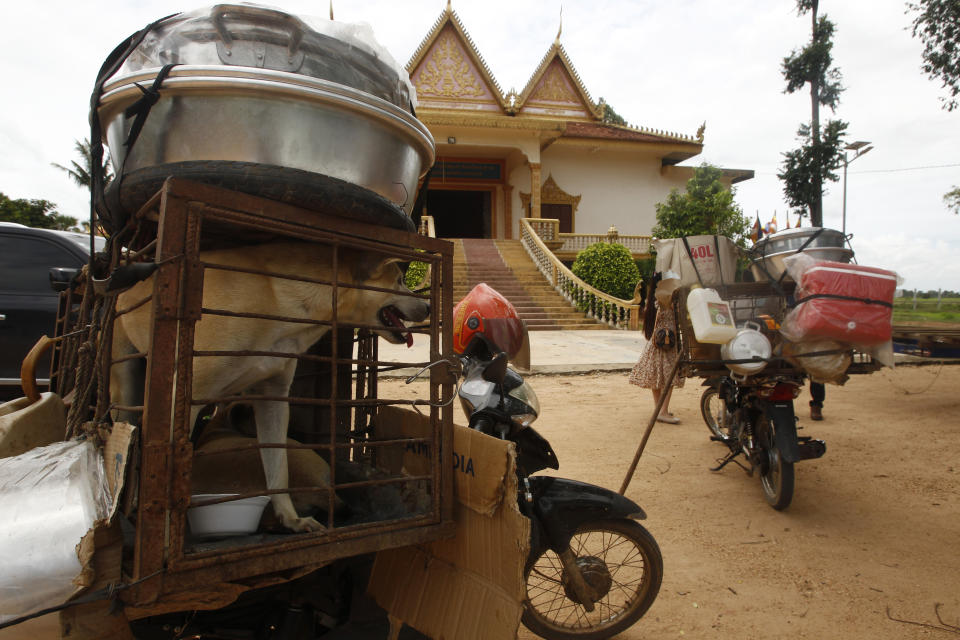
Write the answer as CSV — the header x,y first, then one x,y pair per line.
x,y
508,211
534,189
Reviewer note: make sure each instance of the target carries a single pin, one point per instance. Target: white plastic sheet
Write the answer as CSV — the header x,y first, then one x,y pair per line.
x,y
710,261
50,498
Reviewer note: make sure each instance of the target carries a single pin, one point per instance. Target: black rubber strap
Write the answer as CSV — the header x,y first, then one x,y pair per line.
x,y
421,201
692,261
110,66
806,244
141,108
716,247
834,296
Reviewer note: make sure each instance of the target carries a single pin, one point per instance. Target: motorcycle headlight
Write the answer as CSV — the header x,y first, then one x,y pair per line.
x,y
525,394
524,419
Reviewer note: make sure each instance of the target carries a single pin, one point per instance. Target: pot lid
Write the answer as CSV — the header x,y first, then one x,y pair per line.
x,y
799,232
251,35
749,343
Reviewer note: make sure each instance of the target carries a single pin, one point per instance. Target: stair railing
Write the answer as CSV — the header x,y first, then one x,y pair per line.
x,y
620,314
427,227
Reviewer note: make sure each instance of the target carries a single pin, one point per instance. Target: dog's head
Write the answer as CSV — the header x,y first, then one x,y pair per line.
x,y
387,302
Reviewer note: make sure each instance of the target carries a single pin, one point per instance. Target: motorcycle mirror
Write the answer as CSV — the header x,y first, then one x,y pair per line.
x,y
496,370
60,278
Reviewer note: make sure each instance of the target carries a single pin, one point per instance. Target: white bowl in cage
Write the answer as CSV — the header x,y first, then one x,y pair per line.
x,y
223,519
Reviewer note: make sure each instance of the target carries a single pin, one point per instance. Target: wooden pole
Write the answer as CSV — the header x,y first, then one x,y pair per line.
x,y
653,421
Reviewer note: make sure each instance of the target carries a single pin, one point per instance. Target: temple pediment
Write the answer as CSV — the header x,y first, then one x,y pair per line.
x,y
555,93
456,88
449,73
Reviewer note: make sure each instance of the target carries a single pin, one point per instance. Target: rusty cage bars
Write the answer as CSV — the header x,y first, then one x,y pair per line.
x,y
190,218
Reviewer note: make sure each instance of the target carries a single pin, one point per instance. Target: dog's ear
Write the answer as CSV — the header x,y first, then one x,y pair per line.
x,y
378,268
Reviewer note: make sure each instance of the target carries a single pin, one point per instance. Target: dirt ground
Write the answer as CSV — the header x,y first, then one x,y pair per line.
x,y
870,547
873,533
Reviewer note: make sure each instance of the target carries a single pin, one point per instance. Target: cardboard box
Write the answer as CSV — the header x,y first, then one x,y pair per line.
x,y
469,587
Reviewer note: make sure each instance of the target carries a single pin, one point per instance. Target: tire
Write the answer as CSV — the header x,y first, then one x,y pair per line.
x,y
626,562
296,187
776,474
713,408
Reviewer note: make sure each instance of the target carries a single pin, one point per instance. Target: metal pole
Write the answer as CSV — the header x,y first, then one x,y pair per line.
x,y
845,163
859,148
653,421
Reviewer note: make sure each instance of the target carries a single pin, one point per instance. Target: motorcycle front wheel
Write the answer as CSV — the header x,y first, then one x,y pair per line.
x,y
776,474
713,408
618,558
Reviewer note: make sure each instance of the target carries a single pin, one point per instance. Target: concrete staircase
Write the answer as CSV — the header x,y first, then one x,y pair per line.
x,y
505,266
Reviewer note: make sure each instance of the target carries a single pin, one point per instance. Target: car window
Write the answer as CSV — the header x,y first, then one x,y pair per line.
x,y
25,263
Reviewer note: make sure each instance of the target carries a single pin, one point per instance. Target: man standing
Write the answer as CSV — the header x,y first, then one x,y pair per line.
x,y
818,392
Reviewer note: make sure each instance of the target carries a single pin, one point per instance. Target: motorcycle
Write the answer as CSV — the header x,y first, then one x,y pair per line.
x,y
753,416
592,571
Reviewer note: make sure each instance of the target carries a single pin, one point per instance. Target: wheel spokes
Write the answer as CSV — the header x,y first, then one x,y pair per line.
x,y
627,568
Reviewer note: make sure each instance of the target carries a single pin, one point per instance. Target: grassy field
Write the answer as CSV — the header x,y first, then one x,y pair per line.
x,y
927,310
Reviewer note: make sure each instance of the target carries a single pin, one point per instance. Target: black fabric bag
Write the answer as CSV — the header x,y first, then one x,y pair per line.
x,y
665,339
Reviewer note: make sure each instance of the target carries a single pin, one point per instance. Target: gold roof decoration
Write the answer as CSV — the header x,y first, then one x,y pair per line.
x,y
455,87
557,81
441,49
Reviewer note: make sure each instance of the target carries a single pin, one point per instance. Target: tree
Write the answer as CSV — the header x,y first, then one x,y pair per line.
x,y
805,169
35,213
952,200
81,171
610,116
937,24
706,208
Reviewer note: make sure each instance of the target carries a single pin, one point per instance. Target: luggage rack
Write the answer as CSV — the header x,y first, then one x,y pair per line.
x,y
749,301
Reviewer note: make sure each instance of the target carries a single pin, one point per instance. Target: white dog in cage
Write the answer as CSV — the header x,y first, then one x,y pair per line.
x,y
245,290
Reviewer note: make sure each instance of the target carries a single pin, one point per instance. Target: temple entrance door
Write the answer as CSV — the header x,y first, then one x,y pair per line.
x,y
561,212
460,214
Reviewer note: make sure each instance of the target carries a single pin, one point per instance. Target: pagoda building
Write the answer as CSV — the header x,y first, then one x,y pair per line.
x,y
545,152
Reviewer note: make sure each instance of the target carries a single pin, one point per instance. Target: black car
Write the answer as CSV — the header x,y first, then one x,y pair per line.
x,y
28,303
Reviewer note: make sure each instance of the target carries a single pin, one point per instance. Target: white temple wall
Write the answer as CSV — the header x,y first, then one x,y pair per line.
x,y
619,188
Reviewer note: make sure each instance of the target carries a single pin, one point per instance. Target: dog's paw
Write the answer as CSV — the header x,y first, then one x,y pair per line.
x,y
303,525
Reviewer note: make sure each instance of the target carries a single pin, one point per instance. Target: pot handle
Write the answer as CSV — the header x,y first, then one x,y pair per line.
x,y
28,368
294,24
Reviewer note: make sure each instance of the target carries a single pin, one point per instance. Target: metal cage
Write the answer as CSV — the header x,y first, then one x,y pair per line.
x,y
334,406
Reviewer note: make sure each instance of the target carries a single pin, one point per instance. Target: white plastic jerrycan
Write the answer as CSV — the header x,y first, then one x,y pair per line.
x,y
711,317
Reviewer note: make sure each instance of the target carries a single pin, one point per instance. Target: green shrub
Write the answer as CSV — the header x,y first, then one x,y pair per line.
x,y
415,274
609,268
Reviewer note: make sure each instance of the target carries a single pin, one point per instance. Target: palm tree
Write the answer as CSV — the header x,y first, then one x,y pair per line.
x,y
80,171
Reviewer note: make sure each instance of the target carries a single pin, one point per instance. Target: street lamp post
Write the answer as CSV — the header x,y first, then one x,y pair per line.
x,y
859,147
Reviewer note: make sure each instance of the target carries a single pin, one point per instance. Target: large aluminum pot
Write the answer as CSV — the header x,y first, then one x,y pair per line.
x,y
827,244
748,343
262,102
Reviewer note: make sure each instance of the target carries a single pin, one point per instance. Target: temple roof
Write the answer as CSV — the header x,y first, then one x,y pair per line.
x,y
616,132
455,86
555,86
439,60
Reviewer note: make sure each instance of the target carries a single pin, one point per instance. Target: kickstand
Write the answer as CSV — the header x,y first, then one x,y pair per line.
x,y
731,457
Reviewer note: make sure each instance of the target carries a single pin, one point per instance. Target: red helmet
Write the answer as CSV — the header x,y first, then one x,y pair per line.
x,y
484,319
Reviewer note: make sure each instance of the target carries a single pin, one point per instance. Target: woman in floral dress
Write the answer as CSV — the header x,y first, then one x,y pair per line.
x,y
655,363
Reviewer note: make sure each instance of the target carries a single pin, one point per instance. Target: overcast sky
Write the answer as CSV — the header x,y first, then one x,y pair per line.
x,y
668,65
